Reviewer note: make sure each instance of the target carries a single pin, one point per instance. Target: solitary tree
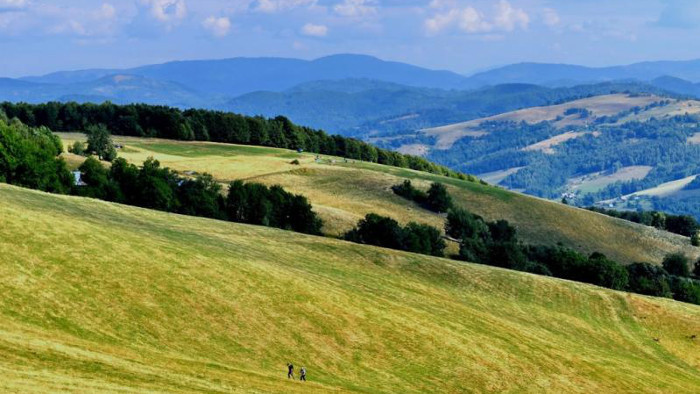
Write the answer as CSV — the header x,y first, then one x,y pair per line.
x,y
100,142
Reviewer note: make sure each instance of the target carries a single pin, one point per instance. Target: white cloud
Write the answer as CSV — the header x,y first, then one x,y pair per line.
x,y
79,22
219,27
550,17
13,4
505,18
271,6
310,29
355,8
509,18
167,11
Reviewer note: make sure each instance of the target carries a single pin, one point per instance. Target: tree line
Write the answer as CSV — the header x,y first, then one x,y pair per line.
x,y
684,225
143,120
496,244
29,157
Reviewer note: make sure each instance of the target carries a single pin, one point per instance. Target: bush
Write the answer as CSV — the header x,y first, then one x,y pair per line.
x,y
439,199
295,162
648,279
677,264
696,271
685,289
386,232
602,271
78,148
407,191
462,224
255,203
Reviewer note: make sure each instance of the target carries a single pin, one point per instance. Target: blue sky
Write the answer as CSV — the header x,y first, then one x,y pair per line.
x,y
461,35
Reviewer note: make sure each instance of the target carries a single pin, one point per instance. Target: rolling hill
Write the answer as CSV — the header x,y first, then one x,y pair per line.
x,y
238,76
103,297
344,192
605,149
569,75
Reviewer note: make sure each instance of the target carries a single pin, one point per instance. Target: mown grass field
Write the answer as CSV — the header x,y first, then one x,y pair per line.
x,y
103,297
342,193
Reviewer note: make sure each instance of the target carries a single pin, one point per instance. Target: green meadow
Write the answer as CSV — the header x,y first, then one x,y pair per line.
x,y
103,297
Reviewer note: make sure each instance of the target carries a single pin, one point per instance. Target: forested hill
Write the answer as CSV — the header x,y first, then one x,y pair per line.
x,y
143,120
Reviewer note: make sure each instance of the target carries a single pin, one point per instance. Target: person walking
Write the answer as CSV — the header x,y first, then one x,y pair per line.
x,y
302,374
290,373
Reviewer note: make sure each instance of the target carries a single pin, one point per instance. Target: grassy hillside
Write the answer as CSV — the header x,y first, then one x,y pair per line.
x,y
342,193
103,297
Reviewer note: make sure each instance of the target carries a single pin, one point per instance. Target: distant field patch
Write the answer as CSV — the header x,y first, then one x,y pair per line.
x,y
667,189
414,149
605,105
594,182
547,146
495,177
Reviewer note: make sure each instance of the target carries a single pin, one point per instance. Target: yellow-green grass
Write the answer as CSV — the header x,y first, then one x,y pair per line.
x,y
103,297
342,193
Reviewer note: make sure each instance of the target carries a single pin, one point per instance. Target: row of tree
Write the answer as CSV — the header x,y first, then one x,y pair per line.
x,y
143,120
685,225
152,186
29,157
388,233
496,244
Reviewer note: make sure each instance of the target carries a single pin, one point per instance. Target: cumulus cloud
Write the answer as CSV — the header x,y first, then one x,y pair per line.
x,y
550,17
505,18
271,6
218,27
355,8
313,30
166,11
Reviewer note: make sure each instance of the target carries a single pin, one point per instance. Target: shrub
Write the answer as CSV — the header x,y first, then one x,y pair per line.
x,y
602,271
685,289
439,199
386,232
295,162
649,279
677,264
407,191
78,148
462,224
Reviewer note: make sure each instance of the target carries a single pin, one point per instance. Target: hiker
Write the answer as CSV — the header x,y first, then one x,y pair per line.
x,y
302,373
290,374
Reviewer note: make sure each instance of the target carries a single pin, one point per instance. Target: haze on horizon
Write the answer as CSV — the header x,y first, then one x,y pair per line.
x,y
464,36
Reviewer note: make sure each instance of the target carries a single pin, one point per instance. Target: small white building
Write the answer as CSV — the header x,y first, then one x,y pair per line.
x,y
78,179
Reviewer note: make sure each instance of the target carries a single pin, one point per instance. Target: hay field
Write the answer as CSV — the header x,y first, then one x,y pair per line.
x,y
102,297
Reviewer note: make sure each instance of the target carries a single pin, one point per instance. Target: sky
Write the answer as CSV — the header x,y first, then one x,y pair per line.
x,y
464,36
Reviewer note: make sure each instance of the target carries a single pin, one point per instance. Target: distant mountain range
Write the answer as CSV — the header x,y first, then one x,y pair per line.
x,y
213,82
338,93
